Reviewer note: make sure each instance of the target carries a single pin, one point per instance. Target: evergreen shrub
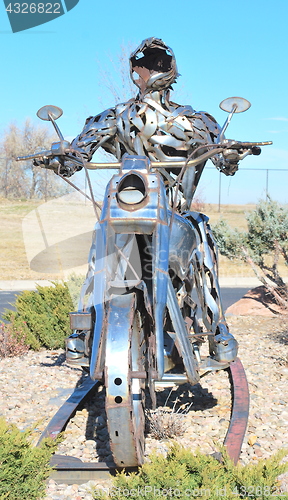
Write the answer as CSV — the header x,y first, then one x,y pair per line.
x,y
23,469
183,475
261,246
43,316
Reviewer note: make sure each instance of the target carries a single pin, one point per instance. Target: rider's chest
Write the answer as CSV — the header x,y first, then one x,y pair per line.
x,y
148,120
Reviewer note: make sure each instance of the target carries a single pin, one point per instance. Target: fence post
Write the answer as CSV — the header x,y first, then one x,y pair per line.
x,y
219,196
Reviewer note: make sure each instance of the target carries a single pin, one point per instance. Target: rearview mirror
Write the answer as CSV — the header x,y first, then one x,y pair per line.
x,y
48,112
235,104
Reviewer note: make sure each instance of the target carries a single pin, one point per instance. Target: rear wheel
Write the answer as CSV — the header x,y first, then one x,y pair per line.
x,y
125,353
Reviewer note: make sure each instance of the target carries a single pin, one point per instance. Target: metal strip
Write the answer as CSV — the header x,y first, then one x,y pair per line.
x,y
71,470
182,341
63,415
240,410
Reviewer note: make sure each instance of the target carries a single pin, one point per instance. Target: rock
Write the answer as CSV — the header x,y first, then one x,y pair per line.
x,y
252,439
258,453
256,302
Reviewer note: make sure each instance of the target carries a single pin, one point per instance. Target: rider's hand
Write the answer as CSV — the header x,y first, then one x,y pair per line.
x,y
230,159
57,165
231,155
229,167
50,163
57,161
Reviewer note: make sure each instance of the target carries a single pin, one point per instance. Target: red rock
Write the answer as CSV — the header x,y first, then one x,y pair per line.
x,y
256,302
258,453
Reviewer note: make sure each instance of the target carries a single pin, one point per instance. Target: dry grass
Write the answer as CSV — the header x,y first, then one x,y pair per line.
x,y
13,262
165,422
44,240
234,214
67,232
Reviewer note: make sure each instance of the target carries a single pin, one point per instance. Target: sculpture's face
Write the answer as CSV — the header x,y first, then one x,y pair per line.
x,y
153,65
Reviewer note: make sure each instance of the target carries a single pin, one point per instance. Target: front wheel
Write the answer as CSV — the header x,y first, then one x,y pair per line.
x,y
125,353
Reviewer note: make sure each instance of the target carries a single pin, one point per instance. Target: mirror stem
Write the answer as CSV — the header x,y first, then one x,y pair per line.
x,y
228,120
58,131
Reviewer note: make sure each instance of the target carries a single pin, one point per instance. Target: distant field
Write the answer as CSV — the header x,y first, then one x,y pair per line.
x,y
235,216
48,241
44,240
13,262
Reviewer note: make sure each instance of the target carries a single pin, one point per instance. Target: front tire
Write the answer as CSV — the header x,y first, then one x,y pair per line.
x,y
125,353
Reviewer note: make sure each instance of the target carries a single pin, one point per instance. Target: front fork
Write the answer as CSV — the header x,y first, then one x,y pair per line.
x,y
117,269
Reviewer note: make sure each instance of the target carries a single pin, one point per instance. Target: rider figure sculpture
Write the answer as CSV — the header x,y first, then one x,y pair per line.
x,y
151,124
154,126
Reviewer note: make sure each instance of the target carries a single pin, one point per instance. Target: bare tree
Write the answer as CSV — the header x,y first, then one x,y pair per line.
x,y
22,179
115,75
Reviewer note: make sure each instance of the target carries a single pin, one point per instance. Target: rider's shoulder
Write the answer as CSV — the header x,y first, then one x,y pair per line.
x,y
122,106
183,110
208,120
108,114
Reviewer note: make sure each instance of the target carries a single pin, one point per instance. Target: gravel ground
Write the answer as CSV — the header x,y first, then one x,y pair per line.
x,y
36,384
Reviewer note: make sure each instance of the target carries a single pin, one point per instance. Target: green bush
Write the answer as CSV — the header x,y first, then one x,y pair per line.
x,y
24,468
74,283
230,241
184,475
261,246
267,234
43,316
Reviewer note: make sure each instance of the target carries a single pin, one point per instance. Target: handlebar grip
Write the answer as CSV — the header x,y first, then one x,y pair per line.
x,y
256,151
34,156
247,145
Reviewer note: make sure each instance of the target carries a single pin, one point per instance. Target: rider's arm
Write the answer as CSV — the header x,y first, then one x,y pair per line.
x,y
98,131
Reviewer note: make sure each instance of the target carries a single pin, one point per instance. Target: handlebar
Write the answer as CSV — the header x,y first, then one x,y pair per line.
x,y
219,148
253,147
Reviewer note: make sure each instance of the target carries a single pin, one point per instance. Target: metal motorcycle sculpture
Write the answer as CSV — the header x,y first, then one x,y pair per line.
x,y
137,321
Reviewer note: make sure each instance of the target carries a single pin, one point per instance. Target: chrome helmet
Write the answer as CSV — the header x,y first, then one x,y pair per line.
x,y
153,65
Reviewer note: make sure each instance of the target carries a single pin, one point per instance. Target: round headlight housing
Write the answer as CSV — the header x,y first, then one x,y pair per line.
x,y
131,190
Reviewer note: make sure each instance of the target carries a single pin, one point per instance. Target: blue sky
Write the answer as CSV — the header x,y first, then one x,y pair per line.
x,y
222,50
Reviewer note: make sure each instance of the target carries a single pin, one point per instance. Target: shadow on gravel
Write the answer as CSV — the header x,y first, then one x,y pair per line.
x,y
279,328
185,394
96,432
56,360
96,426
282,337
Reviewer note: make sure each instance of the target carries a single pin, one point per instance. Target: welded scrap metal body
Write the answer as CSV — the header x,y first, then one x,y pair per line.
x,y
154,127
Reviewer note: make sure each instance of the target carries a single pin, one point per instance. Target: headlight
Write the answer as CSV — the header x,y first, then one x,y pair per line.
x,y
131,189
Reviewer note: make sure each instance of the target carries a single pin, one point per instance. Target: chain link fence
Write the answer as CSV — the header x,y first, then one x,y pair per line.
x,y
248,185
